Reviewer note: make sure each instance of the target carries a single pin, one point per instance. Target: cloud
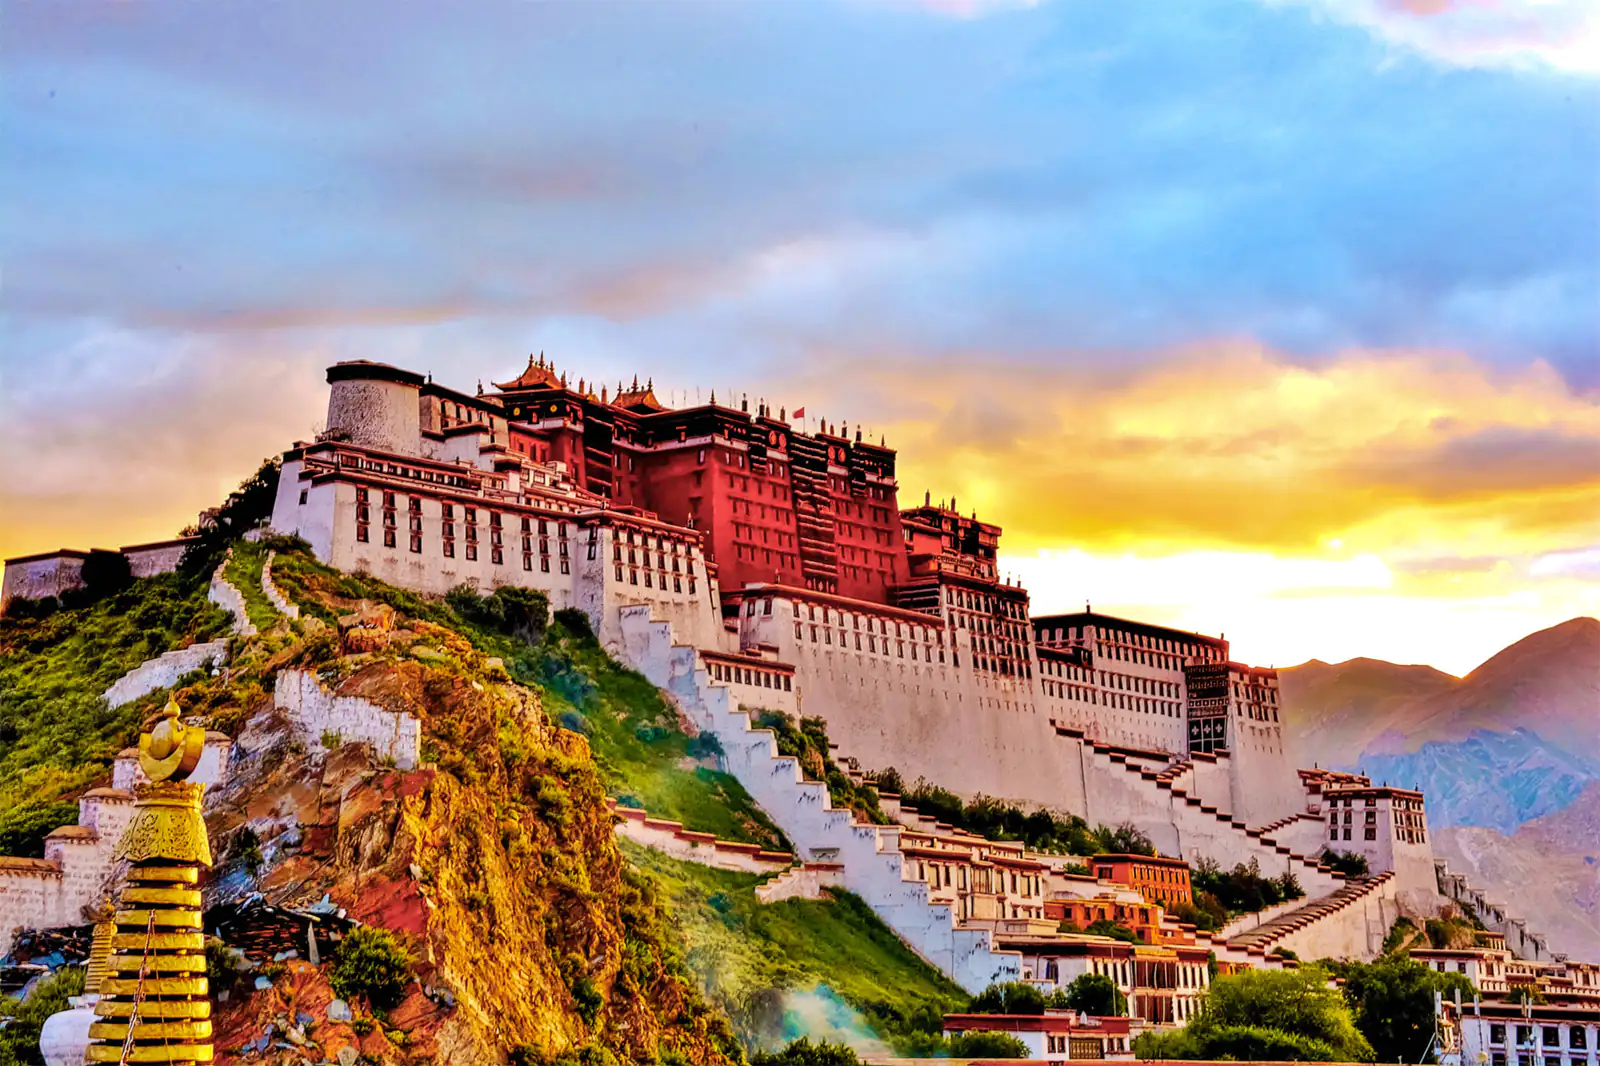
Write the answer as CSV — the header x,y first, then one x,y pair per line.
x,y
1230,446
1116,176
1559,34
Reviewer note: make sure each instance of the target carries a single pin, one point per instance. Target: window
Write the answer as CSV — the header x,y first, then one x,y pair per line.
x,y
416,542
1552,1036
472,550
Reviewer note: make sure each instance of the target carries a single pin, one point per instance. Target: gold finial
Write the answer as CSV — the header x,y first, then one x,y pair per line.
x,y
170,750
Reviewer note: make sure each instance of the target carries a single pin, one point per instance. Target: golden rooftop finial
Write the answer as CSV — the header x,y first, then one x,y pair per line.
x,y
170,750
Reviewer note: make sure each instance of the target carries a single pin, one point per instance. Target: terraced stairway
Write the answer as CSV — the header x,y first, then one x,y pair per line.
x,y
1265,936
868,855
1187,810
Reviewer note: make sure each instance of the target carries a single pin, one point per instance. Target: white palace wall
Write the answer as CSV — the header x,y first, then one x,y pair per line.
x,y
966,731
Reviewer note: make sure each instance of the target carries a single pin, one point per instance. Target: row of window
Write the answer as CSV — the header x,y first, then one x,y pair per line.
x,y
824,635
744,675
652,580
1549,1035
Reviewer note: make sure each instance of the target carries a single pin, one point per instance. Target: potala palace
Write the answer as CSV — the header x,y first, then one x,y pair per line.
x,y
743,565
740,563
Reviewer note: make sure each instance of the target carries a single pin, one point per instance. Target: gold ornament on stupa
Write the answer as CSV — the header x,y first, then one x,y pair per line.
x,y
155,1005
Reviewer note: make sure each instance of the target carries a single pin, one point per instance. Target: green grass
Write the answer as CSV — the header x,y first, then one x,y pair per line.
x,y
751,958
56,732
643,752
244,572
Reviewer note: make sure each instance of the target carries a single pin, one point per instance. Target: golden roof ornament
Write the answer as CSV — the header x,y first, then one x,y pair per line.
x,y
170,750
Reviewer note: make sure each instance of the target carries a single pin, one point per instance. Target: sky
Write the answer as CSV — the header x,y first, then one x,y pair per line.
x,y
1273,318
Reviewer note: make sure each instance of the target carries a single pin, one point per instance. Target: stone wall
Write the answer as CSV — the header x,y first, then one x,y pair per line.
x,y
809,880
317,713
230,599
34,577
278,600
164,670
162,557
673,840
1523,942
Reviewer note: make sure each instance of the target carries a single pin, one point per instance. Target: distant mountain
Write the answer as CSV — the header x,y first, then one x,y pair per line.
x,y
1548,872
1517,738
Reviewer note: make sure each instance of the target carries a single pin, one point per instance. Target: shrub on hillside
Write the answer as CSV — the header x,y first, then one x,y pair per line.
x,y
19,1037
1347,863
1106,927
1243,889
371,962
1206,913
24,827
803,1052
575,622
510,610
979,1045
994,819
1008,997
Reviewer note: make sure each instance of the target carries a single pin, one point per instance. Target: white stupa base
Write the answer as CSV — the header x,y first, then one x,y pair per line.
x,y
64,1036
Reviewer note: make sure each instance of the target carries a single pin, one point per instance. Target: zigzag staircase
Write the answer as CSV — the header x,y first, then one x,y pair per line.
x,y
1316,877
1265,936
869,854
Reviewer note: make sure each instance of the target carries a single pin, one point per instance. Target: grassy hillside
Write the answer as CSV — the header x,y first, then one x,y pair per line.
x,y
645,756
56,733
784,969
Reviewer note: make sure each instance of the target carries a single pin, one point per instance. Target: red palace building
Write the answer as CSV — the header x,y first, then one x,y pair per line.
x,y
816,511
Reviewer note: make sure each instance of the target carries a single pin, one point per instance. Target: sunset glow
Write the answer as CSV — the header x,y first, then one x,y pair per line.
x,y
1277,319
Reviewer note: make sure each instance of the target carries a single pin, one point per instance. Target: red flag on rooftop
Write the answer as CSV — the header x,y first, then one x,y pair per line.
x,y
799,412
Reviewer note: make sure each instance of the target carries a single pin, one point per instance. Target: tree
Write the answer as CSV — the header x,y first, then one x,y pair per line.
x,y
247,507
803,1052
1008,997
1095,994
1348,863
19,1038
1125,839
1393,1003
1276,1014
982,1045
1106,927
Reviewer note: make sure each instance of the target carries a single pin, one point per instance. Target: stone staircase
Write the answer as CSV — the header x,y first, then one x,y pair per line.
x,y
1263,937
1198,820
1284,823
805,881
868,856
1523,942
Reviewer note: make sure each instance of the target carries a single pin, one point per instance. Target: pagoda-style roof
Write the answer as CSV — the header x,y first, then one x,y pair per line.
x,y
640,400
538,375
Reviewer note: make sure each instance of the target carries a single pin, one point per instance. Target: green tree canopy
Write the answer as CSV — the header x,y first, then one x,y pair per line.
x,y
1008,997
1393,1003
1097,995
1283,1015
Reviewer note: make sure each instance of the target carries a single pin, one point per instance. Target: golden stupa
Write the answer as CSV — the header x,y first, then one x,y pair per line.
x,y
155,1005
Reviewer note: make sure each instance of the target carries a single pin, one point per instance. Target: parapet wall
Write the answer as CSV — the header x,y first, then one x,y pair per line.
x,y
164,671
673,840
323,718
